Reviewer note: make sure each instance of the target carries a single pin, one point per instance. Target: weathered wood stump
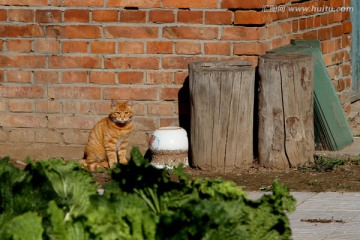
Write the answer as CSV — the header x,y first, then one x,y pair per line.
x,y
286,125
222,101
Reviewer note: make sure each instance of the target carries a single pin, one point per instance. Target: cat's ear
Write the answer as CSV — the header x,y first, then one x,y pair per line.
x,y
113,103
129,102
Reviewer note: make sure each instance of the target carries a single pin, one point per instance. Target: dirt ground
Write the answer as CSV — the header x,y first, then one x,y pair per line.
x,y
344,178
329,175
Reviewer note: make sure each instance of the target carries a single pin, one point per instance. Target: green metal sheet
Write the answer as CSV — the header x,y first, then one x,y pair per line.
x,y
332,131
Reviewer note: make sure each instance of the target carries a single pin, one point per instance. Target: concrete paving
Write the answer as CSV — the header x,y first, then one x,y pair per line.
x,y
340,211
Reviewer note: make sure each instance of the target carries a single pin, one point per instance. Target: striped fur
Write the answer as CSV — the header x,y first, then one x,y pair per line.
x,y
107,145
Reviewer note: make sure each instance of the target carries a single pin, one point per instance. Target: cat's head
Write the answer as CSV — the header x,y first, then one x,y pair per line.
x,y
121,112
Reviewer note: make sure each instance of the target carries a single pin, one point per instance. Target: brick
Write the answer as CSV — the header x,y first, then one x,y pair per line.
x,y
74,136
21,76
19,120
20,106
161,16
280,41
187,48
75,15
1,45
74,77
336,31
105,15
131,77
102,47
333,71
345,41
240,33
45,106
302,24
19,45
76,3
346,70
132,62
341,85
267,32
74,62
21,15
165,122
178,62
145,124
127,93
285,27
24,2
102,77
252,17
22,135
159,78
220,18
68,92
74,46
47,46
159,47
3,15
199,33
48,16
311,35
3,105
346,27
45,135
337,16
190,4
310,22
345,16
181,77
317,21
169,93
187,16
74,31
324,33
22,61
139,109
133,16
134,3
22,91
76,107
217,48
21,31
2,76
243,4
161,109
100,107
71,122
131,47
46,77
130,32
324,19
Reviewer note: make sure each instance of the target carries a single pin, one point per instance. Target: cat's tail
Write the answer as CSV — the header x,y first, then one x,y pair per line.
x,y
93,166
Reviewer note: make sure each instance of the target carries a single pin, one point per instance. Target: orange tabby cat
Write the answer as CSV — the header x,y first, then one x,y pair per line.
x,y
108,136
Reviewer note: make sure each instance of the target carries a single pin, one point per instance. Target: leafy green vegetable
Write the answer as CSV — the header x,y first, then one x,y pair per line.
x,y
23,227
58,200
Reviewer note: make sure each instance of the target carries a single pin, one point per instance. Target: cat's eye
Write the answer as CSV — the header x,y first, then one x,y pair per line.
x,y
117,113
126,113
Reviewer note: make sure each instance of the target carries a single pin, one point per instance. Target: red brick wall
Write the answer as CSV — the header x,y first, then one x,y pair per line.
x,y
61,62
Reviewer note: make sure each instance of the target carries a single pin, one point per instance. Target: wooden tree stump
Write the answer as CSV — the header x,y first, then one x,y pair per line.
x,y
286,125
222,100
